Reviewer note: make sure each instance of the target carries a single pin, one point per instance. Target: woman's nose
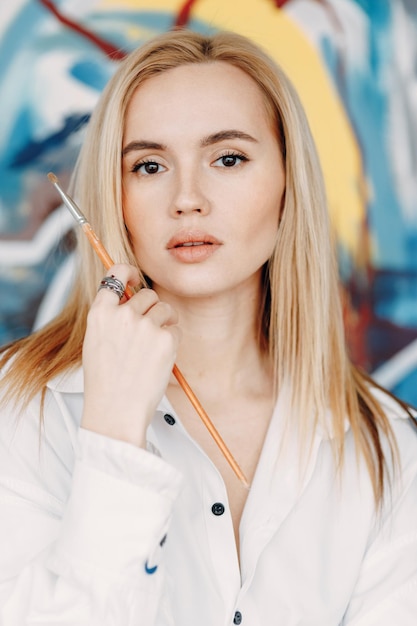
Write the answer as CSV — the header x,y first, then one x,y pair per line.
x,y
189,196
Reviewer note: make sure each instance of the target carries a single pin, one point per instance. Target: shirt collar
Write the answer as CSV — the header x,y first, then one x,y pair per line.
x,y
70,381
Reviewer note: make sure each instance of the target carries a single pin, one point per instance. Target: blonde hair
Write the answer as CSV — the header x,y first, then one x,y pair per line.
x,y
301,319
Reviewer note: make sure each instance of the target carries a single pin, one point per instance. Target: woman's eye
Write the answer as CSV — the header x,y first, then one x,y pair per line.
x,y
148,167
230,160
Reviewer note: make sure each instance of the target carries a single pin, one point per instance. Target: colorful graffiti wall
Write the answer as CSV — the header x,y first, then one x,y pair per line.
x,y
354,63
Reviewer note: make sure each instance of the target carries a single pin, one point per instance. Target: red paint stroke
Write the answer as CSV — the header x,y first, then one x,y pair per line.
x,y
109,49
184,14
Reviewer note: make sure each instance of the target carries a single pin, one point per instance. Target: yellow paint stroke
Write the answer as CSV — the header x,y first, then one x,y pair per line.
x,y
285,41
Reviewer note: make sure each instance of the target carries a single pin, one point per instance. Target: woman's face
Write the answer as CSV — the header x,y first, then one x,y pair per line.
x,y
203,180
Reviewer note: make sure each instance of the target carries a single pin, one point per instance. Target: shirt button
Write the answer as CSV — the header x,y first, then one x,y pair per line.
x,y
169,419
237,618
217,508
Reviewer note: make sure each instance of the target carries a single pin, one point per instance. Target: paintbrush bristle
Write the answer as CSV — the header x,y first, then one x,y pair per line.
x,y
52,178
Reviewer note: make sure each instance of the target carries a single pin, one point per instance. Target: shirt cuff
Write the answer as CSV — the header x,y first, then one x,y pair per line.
x,y
119,508
128,463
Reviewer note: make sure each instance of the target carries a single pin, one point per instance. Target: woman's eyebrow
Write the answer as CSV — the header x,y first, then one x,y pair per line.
x,y
209,140
142,145
226,134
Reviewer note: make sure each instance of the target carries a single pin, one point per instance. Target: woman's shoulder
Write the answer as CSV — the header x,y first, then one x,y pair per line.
x,y
38,438
402,420
44,406
400,415
394,407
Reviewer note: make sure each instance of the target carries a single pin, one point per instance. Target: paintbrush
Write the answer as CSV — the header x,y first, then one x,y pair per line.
x,y
108,262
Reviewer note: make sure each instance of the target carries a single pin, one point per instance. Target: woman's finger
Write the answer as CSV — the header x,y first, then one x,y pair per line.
x,y
162,314
144,300
115,281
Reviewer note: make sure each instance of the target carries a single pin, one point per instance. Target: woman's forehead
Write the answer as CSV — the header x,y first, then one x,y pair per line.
x,y
216,92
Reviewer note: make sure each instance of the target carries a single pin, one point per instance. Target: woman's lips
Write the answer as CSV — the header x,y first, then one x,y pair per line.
x,y
192,246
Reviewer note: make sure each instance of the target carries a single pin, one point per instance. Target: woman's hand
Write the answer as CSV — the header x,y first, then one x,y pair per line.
x,y
128,354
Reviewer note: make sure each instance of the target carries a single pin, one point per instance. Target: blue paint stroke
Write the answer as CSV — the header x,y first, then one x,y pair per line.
x,y
34,149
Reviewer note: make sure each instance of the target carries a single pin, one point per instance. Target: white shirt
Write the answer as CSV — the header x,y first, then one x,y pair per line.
x,y
83,520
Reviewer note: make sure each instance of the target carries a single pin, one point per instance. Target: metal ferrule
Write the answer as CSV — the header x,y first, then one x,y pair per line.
x,y
71,206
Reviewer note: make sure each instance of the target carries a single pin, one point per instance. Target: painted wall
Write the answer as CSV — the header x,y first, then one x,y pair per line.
x,y
354,64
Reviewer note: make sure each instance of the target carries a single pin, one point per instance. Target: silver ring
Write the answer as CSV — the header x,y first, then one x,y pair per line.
x,y
114,284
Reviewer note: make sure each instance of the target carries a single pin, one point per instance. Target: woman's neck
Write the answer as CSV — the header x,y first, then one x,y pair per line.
x,y
220,346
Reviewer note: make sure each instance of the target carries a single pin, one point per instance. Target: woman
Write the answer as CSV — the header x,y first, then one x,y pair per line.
x,y
200,175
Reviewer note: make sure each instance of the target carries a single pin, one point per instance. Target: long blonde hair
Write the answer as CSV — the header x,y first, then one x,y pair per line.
x,y
301,319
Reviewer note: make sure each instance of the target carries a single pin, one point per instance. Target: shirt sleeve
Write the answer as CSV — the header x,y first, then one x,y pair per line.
x,y
96,557
386,590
